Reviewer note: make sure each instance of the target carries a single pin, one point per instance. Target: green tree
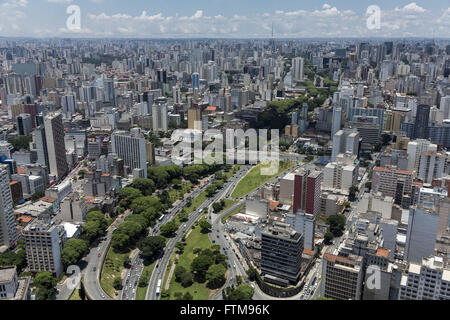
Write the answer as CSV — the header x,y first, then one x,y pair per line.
x,y
252,274
117,284
241,292
205,226
145,186
127,195
328,238
169,229
99,217
45,285
188,296
152,247
73,251
216,276
21,142
352,193
200,266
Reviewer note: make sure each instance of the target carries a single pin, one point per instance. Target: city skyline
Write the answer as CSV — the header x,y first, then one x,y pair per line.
x,y
217,19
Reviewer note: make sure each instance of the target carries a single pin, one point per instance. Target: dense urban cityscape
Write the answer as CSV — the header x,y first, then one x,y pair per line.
x,y
115,184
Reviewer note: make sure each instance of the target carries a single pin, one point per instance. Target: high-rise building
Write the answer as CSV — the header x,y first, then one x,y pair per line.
x,y
431,166
195,119
307,190
445,107
421,122
195,81
8,231
342,277
109,92
415,149
43,243
337,119
297,70
341,174
422,233
132,148
54,133
345,141
24,124
281,254
392,182
428,279
304,224
160,117
68,104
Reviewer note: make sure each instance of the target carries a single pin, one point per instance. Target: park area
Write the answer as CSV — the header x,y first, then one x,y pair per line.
x,y
254,179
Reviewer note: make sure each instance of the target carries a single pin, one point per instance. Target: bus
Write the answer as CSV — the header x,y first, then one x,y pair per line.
x,y
161,218
158,287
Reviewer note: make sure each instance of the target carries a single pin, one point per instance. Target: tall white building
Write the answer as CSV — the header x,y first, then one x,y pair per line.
x,y
345,141
131,147
431,166
8,231
297,70
337,119
426,280
305,224
445,107
160,117
341,174
415,149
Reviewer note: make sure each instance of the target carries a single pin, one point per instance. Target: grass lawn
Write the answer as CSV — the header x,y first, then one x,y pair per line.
x,y
176,195
146,273
199,291
228,203
254,179
197,202
232,172
111,269
228,216
75,295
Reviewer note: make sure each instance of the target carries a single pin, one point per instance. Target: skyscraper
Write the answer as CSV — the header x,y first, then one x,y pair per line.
x,y
195,119
307,189
160,117
298,69
422,233
195,81
132,148
24,124
421,123
54,133
337,119
8,232
109,92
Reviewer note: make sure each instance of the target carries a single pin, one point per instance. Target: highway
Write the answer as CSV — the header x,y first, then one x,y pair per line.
x,y
94,259
159,271
130,282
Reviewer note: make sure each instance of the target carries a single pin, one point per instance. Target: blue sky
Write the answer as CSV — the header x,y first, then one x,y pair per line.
x,y
224,18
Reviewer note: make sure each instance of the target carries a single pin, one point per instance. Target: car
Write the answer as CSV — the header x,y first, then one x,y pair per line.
x,y
94,269
132,267
99,255
103,296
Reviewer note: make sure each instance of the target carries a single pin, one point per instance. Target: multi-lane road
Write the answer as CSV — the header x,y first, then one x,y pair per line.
x,y
158,273
94,259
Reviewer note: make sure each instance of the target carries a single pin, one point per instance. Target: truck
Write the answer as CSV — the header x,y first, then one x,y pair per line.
x,y
158,288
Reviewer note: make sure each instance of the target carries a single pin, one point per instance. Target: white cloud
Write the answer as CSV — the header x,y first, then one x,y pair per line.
x,y
412,7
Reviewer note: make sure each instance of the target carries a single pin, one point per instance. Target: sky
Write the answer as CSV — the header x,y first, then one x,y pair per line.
x,y
225,18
